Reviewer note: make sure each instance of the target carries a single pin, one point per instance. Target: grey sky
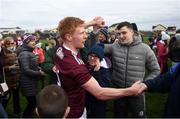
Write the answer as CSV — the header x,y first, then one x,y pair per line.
x,y
47,13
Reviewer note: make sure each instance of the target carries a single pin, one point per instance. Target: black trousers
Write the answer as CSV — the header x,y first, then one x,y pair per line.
x,y
131,107
30,107
14,93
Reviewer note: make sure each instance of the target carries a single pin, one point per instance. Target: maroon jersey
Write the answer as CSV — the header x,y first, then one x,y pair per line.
x,y
73,74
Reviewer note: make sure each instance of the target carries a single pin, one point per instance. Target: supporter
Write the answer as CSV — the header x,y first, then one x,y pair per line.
x,y
30,73
168,82
11,74
131,59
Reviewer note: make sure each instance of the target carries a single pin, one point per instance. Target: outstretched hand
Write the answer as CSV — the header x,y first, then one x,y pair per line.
x,y
143,88
138,87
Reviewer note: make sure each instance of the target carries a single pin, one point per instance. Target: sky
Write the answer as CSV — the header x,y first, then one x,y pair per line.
x,y
45,14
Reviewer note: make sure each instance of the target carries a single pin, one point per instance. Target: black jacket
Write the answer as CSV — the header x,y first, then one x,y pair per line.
x,y
29,67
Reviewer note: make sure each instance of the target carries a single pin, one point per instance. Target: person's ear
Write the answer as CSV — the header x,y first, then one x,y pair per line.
x,y
68,37
67,112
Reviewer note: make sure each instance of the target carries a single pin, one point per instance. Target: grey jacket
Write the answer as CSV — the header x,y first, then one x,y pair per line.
x,y
130,63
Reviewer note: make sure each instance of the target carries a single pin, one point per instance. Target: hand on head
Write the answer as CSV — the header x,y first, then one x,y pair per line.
x,y
98,65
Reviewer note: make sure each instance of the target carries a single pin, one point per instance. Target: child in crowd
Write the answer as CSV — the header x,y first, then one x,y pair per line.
x,y
98,68
52,102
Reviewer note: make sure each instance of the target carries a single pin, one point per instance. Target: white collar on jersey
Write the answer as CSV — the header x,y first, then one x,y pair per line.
x,y
67,48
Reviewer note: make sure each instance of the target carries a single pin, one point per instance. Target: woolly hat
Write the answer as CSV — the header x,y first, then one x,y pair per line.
x,y
28,37
104,31
97,49
164,36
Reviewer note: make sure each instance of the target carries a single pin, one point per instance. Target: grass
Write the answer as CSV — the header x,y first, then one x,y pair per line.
x,y
154,105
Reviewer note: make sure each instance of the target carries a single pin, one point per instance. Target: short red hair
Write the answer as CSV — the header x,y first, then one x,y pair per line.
x,y
68,25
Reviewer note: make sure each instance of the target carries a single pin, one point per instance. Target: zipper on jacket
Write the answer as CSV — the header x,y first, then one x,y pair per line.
x,y
126,66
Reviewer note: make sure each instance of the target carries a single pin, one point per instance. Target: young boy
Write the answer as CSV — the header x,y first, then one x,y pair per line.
x,y
98,68
52,102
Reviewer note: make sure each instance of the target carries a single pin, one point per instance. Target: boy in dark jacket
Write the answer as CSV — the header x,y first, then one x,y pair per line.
x,y
98,68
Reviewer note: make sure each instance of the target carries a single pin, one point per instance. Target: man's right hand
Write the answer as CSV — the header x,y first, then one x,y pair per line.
x,y
143,88
138,87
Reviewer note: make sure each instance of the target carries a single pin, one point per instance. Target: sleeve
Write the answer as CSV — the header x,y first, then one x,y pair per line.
x,y
173,70
151,64
161,83
25,65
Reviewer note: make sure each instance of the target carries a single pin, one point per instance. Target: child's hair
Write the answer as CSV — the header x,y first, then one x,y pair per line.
x,y
52,102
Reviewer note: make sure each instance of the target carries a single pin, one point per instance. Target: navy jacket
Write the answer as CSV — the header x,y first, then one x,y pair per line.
x,y
168,82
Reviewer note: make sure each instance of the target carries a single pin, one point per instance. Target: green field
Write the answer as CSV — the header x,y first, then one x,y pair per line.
x,y
154,105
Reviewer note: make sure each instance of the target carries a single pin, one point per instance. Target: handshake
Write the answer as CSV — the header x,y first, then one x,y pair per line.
x,y
137,88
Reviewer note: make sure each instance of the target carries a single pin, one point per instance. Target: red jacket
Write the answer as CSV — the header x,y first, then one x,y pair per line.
x,y
162,51
39,52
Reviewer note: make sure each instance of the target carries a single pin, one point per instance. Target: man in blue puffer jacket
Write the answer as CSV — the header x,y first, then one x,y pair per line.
x,y
168,82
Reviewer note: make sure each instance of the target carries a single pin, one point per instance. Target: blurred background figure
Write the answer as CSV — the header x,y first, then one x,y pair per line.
x,y
112,37
162,52
3,113
11,74
103,35
48,63
30,73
